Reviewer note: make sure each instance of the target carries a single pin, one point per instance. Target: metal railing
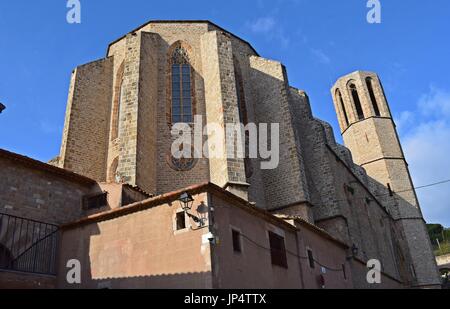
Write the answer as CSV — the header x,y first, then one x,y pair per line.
x,y
27,245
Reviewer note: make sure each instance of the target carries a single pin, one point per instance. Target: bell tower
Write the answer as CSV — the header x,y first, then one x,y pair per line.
x,y
370,133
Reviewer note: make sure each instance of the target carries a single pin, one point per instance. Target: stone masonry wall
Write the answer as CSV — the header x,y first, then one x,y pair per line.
x,y
254,177
189,35
85,138
146,168
128,121
375,146
321,179
117,52
39,195
270,91
346,216
221,105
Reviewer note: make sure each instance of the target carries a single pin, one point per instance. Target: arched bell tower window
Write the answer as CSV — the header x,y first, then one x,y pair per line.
x,y
341,102
372,96
181,86
356,101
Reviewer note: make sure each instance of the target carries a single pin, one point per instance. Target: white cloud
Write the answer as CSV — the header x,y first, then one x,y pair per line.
x,y
435,103
271,29
426,143
405,119
263,25
321,56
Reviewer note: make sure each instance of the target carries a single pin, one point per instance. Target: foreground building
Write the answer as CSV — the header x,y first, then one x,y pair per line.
x,y
111,199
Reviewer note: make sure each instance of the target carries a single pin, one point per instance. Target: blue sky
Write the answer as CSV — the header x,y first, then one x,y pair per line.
x,y
317,40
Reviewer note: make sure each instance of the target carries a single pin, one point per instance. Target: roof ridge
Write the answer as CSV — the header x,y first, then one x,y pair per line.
x,y
161,21
46,167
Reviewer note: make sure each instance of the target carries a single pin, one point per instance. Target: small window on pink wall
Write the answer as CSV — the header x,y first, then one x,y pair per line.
x,y
236,236
181,221
278,250
311,260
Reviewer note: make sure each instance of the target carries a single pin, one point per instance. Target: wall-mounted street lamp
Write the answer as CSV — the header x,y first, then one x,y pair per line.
x,y
2,108
202,213
355,251
187,201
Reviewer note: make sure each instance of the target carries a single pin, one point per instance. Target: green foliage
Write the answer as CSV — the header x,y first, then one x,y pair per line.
x,y
439,234
445,249
435,231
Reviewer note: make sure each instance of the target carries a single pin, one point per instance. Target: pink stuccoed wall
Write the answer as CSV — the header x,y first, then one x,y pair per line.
x,y
142,249
253,267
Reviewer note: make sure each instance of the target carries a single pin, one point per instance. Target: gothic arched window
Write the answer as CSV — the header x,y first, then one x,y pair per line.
x,y
341,102
356,101
372,96
181,82
118,98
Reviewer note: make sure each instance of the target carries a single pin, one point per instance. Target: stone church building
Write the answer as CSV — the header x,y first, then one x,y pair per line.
x,y
117,202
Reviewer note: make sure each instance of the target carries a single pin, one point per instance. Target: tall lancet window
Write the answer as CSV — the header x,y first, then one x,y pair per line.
x,y
341,102
182,88
373,98
356,101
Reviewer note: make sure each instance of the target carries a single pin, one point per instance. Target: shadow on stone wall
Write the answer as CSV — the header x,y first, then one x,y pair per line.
x,y
167,281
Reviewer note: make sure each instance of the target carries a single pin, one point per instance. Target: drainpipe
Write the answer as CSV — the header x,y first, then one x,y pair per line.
x,y
302,280
212,243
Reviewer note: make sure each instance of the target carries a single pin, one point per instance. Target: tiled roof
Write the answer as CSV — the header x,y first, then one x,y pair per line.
x,y
139,189
194,190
